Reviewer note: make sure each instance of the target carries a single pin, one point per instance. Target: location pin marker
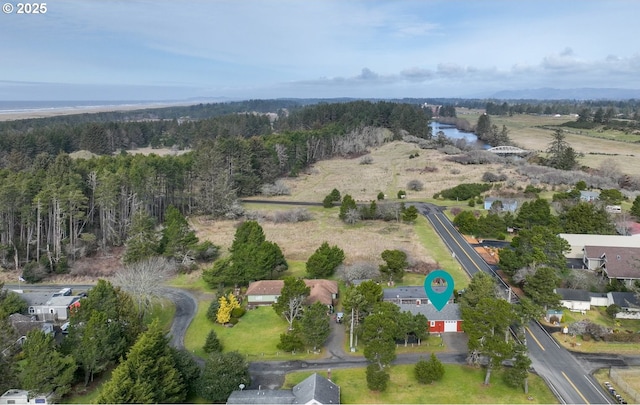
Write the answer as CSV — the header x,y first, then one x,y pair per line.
x,y
439,286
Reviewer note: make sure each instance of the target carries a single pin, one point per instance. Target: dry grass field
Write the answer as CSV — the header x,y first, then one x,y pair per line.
x,y
389,172
363,242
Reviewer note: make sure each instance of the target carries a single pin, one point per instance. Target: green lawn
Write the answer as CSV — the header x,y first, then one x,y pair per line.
x,y
460,385
256,335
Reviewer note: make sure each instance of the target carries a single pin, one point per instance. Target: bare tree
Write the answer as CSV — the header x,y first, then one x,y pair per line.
x,y
144,280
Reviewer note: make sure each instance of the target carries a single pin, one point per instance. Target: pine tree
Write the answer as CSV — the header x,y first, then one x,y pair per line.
x,y
143,241
212,344
45,369
315,325
222,374
148,375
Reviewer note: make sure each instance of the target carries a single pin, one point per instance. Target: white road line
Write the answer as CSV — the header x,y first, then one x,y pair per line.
x,y
606,399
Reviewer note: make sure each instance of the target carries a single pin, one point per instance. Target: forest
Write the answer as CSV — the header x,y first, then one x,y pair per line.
x,y
55,209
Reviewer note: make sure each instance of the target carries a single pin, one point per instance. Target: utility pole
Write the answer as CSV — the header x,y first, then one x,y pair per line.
x,y
353,349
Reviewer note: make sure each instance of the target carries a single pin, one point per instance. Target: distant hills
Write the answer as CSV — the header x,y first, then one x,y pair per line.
x,y
584,93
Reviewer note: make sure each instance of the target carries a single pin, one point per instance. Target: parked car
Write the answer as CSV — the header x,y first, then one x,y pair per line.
x,y
339,317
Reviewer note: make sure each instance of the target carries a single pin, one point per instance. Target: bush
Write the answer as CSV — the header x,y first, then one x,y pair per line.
x,y
34,272
415,185
290,342
366,160
212,312
490,177
380,196
277,188
402,194
238,312
377,380
472,203
465,191
612,310
501,236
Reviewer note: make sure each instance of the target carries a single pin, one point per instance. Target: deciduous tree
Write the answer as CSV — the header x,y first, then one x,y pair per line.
x,y
290,303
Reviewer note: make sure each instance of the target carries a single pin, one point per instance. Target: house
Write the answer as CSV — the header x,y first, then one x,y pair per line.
x,y
574,300
23,397
508,204
50,308
448,319
615,263
628,303
589,196
313,390
266,292
409,295
577,242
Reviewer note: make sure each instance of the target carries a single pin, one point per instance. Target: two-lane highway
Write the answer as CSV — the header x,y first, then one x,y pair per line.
x,y
564,374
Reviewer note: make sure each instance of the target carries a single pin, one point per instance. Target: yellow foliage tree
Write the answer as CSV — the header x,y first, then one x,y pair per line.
x,y
227,304
224,312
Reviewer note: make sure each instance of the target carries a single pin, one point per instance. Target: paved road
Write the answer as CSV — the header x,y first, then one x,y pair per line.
x,y
566,376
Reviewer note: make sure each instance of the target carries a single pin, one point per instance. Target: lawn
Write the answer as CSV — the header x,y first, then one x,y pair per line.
x,y
256,335
460,385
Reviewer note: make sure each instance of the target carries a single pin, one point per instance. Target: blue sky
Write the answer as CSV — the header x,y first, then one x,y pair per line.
x,y
167,50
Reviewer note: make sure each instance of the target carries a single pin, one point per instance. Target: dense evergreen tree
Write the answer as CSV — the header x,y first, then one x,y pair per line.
x,y
323,262
143,241
148,375
315,327
222,374
395,264
212,343
561,155
45,370
588,218
428,371
540,287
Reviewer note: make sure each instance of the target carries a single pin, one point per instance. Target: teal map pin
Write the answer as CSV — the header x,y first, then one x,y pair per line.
x,y
439,286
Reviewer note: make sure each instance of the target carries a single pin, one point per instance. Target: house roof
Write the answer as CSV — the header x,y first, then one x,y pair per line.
x,y
589,194
320,290
570,294
261,397
450,312
504,201
23,324
624,299
619,262
316,388
416,292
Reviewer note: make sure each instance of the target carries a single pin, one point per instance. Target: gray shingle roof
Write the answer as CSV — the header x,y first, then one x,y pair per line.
x,y
451,312
416,292
625,299
570,294
316,387
313,388
261,397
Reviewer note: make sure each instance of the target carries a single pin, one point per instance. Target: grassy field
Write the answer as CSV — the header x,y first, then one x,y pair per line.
x,y
533,132
256,335
460,385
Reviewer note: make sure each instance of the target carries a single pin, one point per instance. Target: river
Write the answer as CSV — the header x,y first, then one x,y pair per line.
x,y
450,131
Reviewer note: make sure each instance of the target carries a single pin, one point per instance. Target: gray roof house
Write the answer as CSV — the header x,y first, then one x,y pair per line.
x,y
628,303
574,300
313,390
589,195
508,204
620,263
411,294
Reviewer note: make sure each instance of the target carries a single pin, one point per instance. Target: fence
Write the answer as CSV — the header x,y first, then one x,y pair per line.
x,y
619,378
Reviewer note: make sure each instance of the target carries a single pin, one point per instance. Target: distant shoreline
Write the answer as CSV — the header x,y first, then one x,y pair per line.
x,y
28,113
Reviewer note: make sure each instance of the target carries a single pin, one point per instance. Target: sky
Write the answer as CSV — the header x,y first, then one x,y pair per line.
x,y
240,49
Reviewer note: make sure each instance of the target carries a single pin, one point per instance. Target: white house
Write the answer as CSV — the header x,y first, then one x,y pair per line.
x,y
574,300
508,204
47,307
22,397
589,195
628,303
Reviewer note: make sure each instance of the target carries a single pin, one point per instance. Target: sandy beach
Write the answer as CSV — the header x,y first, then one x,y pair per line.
x,y
44,113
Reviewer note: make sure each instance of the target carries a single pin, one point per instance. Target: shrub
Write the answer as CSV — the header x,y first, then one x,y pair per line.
x,y
402,194
377,380
212,312
612,310
366,160
465,191
454,171
472,203
290,342
212,344
415,185
34,272
233,321
238,312
380,196
501,236
277,188
490,177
